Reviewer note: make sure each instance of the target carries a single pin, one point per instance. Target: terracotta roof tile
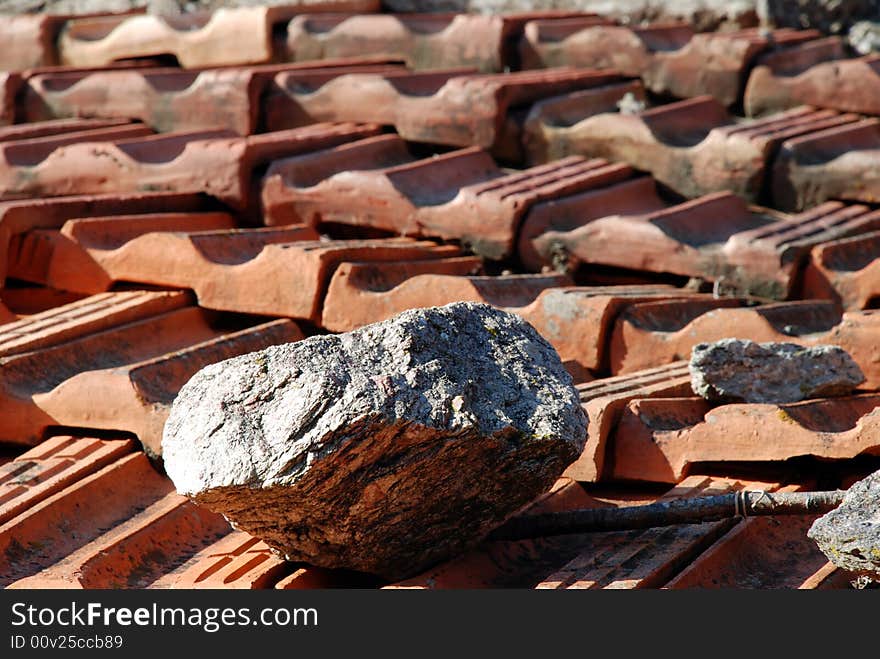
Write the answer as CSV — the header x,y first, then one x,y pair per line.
x,y
30,300
215,162
646,558
594,42
195,39
134,378
10,83
451,196
814,73
449,108
136,551
19,216
837,163
29,40
759,552
670,58
695,147
84,317
237,560
846,271
658,439
53,528
651,333
604,402
170,99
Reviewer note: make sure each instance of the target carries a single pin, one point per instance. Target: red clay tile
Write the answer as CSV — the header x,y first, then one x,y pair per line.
x,y
136,551
459,195
300,98
137,397
837,163
169,99
87,316
52,528
30,300
23,144
652,333
440,108
239,35
28,131
717,63
695,147
846,271
131,374
684,239
746,249
215,162
80,257
238,561
814,73
518,564
770,257
27,375
10,83
423,41
29,40
18,158
605,400
594,42
574,319
52,466
545,130
670,58
362,293
23,215
759,553
647,558
615,193
658,439
243,270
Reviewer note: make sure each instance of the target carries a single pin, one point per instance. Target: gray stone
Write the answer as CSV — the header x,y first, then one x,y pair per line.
x,y
864,37
385,449
737,370
827,16
850,534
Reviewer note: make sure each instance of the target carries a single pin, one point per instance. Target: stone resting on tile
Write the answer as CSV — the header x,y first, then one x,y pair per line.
x,y
850,535
383,450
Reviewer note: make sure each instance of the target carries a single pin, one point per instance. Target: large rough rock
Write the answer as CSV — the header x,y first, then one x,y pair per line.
x,y
385,449
850,534
737,370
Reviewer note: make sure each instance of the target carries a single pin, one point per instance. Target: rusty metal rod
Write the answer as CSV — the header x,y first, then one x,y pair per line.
x,y
667,513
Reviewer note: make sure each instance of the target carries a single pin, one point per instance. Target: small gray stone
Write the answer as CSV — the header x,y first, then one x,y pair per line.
x,y
738,370
864,37
385,449
850,534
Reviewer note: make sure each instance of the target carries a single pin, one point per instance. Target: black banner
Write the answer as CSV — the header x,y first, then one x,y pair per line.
x,y
406,622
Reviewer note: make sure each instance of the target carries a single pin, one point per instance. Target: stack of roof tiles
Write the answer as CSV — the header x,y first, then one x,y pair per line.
x,y
176,191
